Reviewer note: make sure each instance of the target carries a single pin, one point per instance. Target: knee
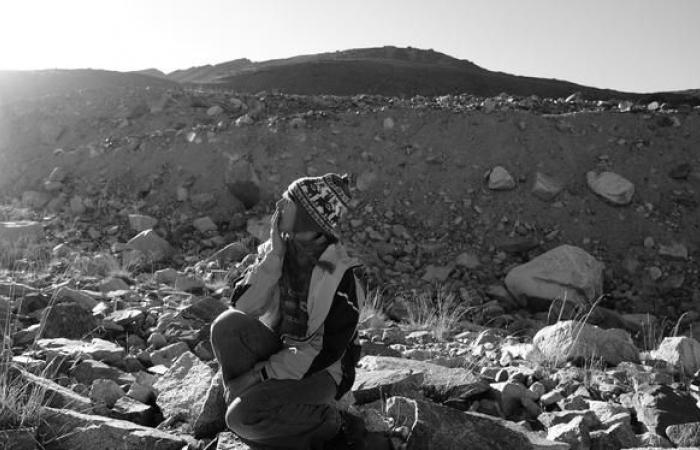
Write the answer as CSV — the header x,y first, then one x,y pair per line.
x,y
243,417
226,324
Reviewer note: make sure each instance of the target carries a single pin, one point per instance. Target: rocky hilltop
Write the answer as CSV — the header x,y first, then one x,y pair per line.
x,y
532,262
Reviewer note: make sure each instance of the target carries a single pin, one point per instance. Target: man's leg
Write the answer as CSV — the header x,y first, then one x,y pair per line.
x,y
239,342
287,413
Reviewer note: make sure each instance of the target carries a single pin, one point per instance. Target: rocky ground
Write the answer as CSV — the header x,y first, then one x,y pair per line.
x,y
497,234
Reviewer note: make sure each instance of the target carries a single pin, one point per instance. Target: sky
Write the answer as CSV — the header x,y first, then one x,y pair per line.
x,y
630,45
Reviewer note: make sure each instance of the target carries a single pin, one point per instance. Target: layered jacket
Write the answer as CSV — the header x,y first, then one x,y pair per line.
x,y
330,341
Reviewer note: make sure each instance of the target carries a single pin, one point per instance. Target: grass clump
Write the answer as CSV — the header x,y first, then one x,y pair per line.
x,y
439,312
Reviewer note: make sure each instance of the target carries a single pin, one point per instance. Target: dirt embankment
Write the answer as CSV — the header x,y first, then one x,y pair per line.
x,y
421,166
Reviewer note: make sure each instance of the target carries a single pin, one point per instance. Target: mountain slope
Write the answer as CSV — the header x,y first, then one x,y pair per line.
x,y
390,71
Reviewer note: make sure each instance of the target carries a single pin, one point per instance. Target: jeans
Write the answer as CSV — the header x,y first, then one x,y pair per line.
x,y
294,414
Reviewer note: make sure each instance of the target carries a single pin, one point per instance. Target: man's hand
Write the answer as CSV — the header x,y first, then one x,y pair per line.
x,y
278,245
237,386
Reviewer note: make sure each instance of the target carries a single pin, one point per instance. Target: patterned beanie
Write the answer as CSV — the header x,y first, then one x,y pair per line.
x,y
325,199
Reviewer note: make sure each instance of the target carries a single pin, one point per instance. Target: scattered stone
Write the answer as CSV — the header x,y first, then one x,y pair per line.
x,y
68,320
575,433
611,187
436,273
97,349
660,406
205,225
468,260
88,431
188,283
168,354
21,232
546,188
140,222
373,385
106,392
151,245
165,276
243,182
674,250
89,370
572,339
680,352
439,383
684,434
500,179
191,390
433,426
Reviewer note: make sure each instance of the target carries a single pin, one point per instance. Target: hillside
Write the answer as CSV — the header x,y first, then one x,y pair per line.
x,y
390,71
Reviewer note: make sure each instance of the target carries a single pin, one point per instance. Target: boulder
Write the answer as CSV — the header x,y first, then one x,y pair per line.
x,y
105,392
619,435
188,283
500,179
546,188
82,298
563,272
373,385
191,390
205,225
660,406
574,432
35,199
68,320
126,408
64,429
684,434
611,186
572,339
205,308
439,383
21,232
683,353
97,349
166,276
435,427
168,354
90,370
151,245
140,222
57,396
243,182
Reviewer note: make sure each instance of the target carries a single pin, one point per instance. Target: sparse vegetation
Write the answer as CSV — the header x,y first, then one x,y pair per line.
x,y
439,312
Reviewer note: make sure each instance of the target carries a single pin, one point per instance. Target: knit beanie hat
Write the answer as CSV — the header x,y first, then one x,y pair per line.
x,y
324,199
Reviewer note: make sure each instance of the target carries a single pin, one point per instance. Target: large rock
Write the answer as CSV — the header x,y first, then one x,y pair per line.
x,y
681,352
191,390
82,298
64,429
436,427
97,349
151,245
243,182
90,370
439,383
57,396
684,434
20,232
573,339
563,272
373,385
660,406
68,320
611,186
